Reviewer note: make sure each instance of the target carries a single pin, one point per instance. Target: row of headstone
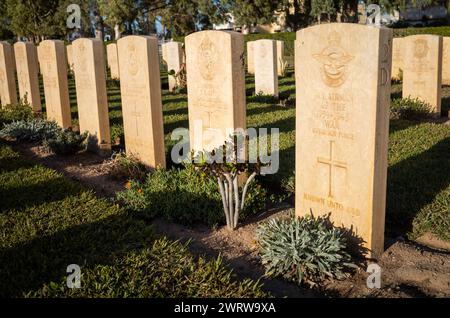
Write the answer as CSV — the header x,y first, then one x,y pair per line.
x,y
113,60
424,63
265,59
342,120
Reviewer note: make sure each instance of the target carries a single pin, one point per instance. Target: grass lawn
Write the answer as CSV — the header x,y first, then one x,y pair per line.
x,y
48,222
419,161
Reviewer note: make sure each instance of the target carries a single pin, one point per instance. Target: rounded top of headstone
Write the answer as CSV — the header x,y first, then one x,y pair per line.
x,y
86,41
4,43
137,38
214,34
21,43
343,28
423,36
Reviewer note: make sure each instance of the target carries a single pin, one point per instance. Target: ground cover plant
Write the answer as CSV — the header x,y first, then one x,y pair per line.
x,y
48,222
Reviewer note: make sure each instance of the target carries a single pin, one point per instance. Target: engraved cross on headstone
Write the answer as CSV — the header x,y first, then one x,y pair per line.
x,y
136,116
209,112
331,163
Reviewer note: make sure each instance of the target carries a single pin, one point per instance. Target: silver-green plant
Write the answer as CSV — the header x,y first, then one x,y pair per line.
x,y
302,250
29,130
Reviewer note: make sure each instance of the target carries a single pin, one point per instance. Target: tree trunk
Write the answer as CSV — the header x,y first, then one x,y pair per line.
x,y
117,32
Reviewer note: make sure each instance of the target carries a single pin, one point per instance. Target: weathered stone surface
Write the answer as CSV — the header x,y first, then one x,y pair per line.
x,y
216,87
342,125
266,74
250,57
8,93
398,58
27,73
90,81
69,49
280,57
422,76
113,61
141,99
53,61
446,61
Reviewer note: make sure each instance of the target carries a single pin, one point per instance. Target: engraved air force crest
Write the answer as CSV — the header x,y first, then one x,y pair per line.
x,y
133,61
420,49
209,55
334,60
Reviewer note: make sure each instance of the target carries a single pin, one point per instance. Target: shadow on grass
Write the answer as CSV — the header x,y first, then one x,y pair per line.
x,y
401,124
174,100
445,107
414,183
170,127
178,111
23,196
29,265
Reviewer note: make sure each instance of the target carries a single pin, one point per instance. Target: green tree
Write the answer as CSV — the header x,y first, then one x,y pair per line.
x,y
5,23
42,19
251,13
119,14
322,7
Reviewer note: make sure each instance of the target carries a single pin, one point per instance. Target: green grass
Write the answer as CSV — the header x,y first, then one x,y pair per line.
x,y
415,204
48,222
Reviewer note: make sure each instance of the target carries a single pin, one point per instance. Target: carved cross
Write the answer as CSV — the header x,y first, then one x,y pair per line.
x,y
136,116
331,163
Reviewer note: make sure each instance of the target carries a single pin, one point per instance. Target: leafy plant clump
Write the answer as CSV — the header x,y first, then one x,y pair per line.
x,y
302,250
48,134
65,142
409,108
35,130
184,196
14,112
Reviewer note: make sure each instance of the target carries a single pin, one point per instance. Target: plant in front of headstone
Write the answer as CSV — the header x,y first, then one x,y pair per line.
x,y
410,108
34,130
14,112
123,166
65,142
303,250
179,195
260,97
226,165
185,196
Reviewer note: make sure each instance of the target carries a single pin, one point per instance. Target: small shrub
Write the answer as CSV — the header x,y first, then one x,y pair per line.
x,y
302,250
289,184
408,108
65,142
126,167
16,112
263,98
35,130
183,196
117,134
